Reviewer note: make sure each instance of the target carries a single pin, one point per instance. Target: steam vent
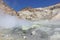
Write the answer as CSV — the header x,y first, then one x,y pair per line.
x,y
30,23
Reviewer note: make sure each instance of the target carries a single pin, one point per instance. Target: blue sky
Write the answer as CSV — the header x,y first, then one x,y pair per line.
x,y
20,4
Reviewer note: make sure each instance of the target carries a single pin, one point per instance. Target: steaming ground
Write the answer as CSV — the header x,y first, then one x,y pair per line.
x,y
8,21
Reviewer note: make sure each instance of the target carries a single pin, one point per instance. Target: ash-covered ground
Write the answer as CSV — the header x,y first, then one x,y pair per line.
x,y
38,32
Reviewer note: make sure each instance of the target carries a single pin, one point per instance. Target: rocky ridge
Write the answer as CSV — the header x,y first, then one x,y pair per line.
x,y
40,13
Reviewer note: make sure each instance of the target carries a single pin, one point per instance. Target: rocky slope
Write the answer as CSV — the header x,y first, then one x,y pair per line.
x,y
40,13
6,8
